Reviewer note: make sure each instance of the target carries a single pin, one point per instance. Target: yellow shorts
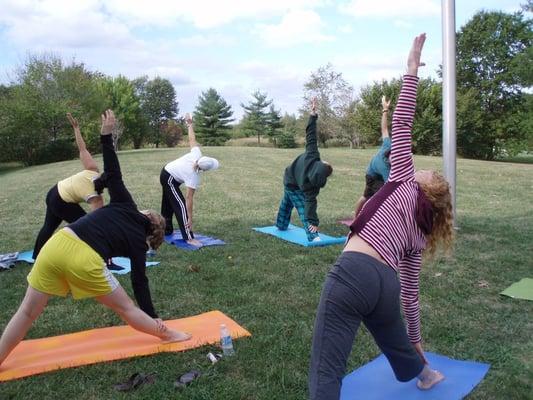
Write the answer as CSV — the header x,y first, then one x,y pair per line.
x,y
66,263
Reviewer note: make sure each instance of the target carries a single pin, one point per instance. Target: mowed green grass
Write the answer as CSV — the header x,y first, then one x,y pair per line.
x,y
272,288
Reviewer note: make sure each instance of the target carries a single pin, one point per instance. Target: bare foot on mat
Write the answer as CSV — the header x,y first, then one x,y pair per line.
x,y
433,378
194,242
173,336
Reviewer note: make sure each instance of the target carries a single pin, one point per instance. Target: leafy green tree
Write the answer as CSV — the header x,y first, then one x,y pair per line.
x,y
367,110
334,95
427,126
494,58
349,131
172,132
120,96
286,139
158,104
256,118
212,118
34,127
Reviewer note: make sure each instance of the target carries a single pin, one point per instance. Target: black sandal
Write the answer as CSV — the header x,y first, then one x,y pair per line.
x,y
187,378
136,380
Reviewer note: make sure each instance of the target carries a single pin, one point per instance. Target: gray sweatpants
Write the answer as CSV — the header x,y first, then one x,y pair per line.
x,y
358,288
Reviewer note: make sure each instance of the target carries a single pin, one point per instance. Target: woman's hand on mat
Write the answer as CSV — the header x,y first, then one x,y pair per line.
x,y
313,228
108,123
420,351
413,61
74,122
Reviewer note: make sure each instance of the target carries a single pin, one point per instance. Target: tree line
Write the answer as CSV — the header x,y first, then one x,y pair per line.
x,y
494,104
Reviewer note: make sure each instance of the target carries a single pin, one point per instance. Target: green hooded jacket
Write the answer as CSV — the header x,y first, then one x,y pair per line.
x,y
307,173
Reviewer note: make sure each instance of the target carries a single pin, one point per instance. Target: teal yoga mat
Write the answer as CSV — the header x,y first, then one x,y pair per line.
x,y
297,235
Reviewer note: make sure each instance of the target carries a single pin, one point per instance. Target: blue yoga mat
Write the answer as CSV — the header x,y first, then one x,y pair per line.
x,y
376,380
26,256
177,240
123,262
297,235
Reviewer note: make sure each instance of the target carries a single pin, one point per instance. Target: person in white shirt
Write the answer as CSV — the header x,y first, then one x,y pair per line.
x,y
184,170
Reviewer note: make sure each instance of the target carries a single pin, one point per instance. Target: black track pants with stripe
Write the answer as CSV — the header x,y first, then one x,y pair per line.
x,y
173,202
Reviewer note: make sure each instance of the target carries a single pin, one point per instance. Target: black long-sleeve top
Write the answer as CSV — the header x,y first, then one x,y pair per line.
x,y
307,173
119,229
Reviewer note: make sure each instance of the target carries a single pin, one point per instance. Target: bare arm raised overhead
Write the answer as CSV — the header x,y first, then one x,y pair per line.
x,y
385,117
190,131
85,157
401,157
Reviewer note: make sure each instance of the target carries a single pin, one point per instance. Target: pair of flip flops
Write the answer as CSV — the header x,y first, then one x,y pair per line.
x,y
138,379
135,381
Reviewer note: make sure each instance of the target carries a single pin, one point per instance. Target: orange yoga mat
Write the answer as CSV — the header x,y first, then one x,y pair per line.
x,y
36,356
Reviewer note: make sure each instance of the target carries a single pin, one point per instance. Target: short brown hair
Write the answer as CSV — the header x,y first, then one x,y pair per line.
x,y
156,233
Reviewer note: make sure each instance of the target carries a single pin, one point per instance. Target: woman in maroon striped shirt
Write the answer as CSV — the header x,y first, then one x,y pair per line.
x,y
411,214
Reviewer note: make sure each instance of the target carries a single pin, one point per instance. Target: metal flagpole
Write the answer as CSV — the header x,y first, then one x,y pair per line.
x,y
448,97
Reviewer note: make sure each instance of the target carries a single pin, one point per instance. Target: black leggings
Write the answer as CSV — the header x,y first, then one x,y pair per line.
x,y
358,288
173,201
57,210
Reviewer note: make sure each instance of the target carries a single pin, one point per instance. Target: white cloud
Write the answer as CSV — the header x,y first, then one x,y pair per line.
x,y
206,40
54,24
202,13
296,27
391,8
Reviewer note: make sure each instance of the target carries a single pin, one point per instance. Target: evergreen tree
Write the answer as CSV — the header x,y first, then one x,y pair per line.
x,y
274,124
212,118
256,116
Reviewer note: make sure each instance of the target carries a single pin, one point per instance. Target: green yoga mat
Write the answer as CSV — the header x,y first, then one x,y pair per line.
x,y
520,290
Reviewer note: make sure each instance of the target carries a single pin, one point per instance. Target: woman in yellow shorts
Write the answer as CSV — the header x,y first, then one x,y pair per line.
x,y
63,200
73,259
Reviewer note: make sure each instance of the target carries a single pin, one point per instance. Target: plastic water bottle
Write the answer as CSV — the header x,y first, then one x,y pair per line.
x,y
225,341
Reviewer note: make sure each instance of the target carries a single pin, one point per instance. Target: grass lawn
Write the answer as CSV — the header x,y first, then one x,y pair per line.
x,y
272,288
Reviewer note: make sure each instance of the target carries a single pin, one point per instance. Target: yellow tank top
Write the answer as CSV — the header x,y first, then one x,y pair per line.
x,y
78,188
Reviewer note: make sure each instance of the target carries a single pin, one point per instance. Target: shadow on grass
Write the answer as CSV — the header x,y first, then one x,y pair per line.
x,y
10,167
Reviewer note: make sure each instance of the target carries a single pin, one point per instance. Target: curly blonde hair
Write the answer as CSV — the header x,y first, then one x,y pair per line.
x,y
439,194
157,229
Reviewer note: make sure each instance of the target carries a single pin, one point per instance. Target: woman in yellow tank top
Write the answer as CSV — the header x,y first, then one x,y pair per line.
x,y
62,200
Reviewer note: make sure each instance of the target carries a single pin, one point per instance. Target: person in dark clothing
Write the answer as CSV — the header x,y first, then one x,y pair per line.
x,y
302,182
73,260
63,199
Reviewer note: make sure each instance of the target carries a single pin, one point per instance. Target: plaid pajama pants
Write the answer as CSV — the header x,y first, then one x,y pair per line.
x,y
296,199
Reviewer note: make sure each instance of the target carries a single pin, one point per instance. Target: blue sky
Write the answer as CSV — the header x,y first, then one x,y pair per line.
x,y
235,46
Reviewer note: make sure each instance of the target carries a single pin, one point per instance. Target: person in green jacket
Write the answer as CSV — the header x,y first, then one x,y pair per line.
x,y
302,182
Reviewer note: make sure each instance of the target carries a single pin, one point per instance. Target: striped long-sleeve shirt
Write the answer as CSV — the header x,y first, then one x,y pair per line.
x,y
388,220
